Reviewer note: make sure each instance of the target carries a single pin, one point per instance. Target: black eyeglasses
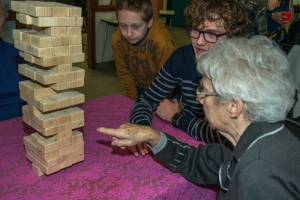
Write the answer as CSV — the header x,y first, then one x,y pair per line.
x,y
208,36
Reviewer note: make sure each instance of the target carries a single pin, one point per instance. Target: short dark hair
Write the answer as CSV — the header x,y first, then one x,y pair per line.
x,y
144,7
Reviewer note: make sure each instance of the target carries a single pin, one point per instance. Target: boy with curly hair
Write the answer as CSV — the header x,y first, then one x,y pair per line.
x,y
207,22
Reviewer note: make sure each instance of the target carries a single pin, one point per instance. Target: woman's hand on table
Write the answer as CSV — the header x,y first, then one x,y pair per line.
x,y
129,135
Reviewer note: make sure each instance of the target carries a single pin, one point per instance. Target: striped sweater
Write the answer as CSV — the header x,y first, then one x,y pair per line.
x,y
179,70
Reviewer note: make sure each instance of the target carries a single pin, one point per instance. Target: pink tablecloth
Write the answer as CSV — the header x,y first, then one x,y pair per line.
x,y
106,173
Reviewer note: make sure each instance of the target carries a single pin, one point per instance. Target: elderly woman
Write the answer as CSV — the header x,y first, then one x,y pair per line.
x,y
246,92
10,101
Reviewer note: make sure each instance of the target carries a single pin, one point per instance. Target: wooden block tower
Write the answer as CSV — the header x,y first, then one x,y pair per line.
x,y
51,46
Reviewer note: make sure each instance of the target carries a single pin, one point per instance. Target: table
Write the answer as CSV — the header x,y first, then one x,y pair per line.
x,y
106,173
109,22
167,14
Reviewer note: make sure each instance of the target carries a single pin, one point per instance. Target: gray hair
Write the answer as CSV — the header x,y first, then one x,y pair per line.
x,y
4,6
253,70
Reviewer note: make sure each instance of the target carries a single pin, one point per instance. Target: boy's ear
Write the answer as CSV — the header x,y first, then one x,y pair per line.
x,y
150,22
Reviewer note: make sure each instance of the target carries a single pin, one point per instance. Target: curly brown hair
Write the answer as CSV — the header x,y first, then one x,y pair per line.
x,y
144,7
228,11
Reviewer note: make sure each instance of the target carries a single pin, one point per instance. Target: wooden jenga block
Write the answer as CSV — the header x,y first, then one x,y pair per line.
x,y
44,9
48,156
34,110
49,144
55,60
37,170
31,8
68,84
77,136
66,163
70,11
24,19
18,33
47,77
77,73
78,158
58,31
54,129
75,49
50,119
77,123
63,100
77,83
49,21
61,50
47,104
35,90
74,30
58,160
42,40
21,53
32,71
45,156
19,45
22,68
63,158
34,137
47,51
63,135
76,113
27,57
70,148
61,68
67,40
44,169
61,85
45,120
53,21
29,144
77,98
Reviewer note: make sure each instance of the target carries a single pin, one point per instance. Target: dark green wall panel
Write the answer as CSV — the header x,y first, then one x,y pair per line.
x,y
178,6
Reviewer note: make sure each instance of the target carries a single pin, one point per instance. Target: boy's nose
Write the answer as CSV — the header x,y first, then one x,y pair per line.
x,y
129,32
201,40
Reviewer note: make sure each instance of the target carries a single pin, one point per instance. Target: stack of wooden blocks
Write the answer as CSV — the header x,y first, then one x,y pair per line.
x,y
51,45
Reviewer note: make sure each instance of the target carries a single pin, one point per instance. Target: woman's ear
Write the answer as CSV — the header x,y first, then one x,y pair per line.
x,y
235,108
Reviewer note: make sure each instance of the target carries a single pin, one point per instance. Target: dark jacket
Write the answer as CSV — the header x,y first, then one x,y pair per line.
x,y
263,165
10,101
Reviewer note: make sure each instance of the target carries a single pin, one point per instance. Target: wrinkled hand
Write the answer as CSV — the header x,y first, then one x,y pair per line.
x,y
278,18
167,109
128,135
142,148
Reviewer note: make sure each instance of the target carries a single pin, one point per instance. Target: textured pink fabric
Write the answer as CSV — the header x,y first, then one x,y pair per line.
x,y
106,173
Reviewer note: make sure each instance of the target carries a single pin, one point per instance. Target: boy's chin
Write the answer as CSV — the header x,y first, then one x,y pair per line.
x,y
133,42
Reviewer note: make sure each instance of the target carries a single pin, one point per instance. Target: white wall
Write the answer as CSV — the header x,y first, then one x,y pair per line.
x,y
100,33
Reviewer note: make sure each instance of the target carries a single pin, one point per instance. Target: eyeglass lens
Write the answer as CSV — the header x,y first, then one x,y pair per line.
x,y
209,37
